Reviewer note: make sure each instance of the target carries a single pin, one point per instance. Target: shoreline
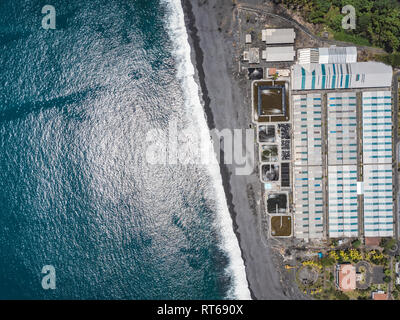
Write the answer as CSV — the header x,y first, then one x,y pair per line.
x,y
197,51
211,60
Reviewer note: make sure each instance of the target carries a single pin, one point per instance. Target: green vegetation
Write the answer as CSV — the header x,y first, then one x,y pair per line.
x,y
392,59
342,256
325,286
377,22
327,261
356,243
341,296
396,292
388,244
346,37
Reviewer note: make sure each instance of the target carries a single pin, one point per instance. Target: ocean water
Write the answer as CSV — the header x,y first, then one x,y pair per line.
x,y
77,190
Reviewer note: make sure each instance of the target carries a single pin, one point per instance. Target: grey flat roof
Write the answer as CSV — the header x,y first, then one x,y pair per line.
x,y
280,53
271,36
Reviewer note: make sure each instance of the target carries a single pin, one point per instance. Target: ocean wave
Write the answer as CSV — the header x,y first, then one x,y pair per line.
x,y
185,74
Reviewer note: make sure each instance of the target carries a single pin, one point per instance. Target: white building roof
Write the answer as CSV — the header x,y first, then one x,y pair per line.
x,y
343,206
274,36
310,55
308,202
338,55
378,200
327,55
254,55
245,55
341,76
342,128
248,38
377,159
377,127
308,196
307,126
279,54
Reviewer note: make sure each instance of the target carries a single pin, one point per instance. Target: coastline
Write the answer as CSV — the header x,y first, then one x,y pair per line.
x,y
224,108
192,97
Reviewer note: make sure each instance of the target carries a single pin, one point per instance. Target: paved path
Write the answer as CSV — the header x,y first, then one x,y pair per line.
x,y
390,284
368,275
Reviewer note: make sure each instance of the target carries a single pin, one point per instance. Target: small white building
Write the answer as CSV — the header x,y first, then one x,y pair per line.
x,y
254,55
248,38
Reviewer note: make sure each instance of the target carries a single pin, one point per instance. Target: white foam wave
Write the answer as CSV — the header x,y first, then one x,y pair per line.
x,y
185,73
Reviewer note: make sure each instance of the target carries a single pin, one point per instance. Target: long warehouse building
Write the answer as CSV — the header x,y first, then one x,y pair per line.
x,y
333,76
342,164
377,158
308,189
359,154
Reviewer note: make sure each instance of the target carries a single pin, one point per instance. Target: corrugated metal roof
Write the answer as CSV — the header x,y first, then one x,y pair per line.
x,y
378,200
341,76
338,55
279,53
327,55
308,202
377,158
342,210
271,36
305,56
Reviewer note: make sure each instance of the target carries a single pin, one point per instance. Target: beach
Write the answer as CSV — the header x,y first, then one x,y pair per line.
x,y
223,97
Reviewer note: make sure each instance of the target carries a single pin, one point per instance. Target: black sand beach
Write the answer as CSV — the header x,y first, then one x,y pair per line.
x,y
225,107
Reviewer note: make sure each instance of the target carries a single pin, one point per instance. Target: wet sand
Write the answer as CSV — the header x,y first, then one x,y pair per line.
x,y
225,107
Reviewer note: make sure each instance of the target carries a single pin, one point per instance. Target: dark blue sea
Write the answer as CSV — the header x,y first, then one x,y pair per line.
x,y
76,191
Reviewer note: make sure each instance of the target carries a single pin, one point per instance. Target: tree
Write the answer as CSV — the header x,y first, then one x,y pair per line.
x,y
316,17
341,296
356,243
335,22
389,244
322,5
378,22
327,261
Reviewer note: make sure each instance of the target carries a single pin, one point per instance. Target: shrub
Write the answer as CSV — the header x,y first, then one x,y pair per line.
x,y
356,243
327,261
